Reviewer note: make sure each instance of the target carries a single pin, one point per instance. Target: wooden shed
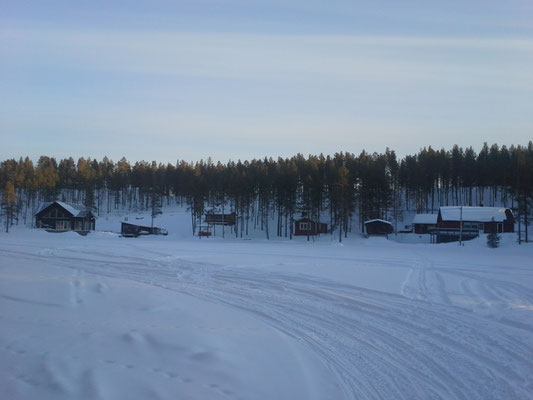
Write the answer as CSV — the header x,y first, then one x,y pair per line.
x,y
220,219
378,227
132,230
58,216
309,227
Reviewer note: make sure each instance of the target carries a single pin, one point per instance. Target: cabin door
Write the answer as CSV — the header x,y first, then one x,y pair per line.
x,y
63,225
500,227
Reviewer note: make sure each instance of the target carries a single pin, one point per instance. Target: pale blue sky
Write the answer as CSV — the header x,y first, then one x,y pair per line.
x,y
165,80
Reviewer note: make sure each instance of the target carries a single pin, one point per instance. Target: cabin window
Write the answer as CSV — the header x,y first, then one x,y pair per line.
x,y
52,214
305,226
473,225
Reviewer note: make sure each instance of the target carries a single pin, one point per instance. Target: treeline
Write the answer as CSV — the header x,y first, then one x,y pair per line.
x,y
270,193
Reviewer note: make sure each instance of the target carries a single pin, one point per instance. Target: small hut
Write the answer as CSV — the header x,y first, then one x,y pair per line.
x,y
309,227
378,227
220,219
132,230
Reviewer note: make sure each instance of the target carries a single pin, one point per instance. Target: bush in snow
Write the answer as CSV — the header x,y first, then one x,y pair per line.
x,y
493,240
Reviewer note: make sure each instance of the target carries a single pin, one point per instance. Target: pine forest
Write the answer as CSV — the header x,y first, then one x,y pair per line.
x,y
344,190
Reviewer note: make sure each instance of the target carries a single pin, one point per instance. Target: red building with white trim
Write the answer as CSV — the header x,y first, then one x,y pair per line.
x,y
482,219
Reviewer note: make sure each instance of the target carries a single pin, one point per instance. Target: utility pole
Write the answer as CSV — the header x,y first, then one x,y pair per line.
x,y
461,226
525,218
223,230
519,226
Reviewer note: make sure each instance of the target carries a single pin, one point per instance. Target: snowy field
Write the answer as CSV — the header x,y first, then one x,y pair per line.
x,y
105,317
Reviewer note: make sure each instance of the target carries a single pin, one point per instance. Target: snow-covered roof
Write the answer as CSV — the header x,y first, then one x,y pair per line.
x,y
378,220
475,214
42,206
425,219
75,209
305,219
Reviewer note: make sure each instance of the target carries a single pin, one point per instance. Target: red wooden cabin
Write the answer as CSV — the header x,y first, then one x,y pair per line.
x,y
308,227
482,219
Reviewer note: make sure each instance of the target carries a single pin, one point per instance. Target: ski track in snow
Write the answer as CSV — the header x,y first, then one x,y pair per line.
x,y
378,345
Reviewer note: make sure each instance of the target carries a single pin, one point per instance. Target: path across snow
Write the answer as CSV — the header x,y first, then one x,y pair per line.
x,y
369,320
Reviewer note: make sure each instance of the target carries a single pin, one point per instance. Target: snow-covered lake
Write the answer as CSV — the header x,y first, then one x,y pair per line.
x,y
104,317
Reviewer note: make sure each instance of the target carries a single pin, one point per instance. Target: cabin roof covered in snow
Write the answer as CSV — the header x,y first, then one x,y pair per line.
x,y
477,214
378,220
75,209
425,219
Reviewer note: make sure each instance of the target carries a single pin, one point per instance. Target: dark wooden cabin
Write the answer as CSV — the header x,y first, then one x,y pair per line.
x,y
378,227
132,230
423,223
309,227
59,217
220,219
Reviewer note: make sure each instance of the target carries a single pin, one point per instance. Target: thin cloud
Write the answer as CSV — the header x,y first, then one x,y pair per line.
x,y
243,96
459,61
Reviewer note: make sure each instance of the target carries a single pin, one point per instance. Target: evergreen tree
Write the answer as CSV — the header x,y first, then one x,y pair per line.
x,y
9,204
47,178
493,239
155,201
